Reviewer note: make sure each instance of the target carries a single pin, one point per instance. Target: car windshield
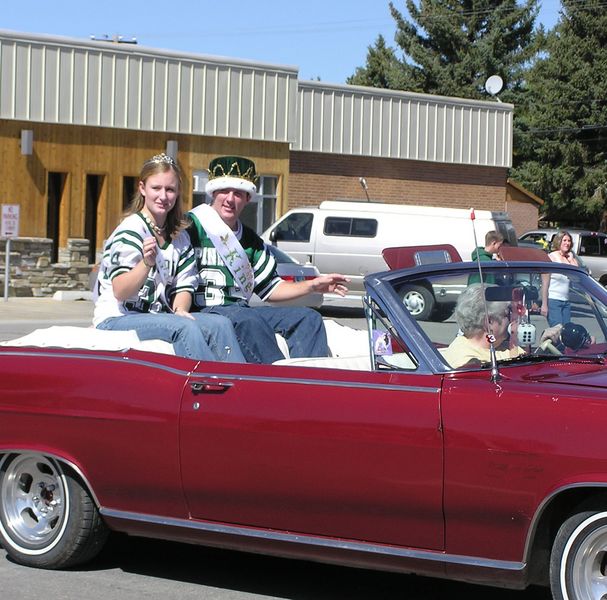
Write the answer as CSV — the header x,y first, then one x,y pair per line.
x,y
525,313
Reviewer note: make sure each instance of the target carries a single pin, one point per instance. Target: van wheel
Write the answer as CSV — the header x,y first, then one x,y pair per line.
x,y
418,301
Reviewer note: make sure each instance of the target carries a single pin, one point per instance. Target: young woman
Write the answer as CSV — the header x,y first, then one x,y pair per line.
x,y
148,273
559,307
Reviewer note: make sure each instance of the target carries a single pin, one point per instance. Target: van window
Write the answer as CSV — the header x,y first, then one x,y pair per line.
x,y
350,227
592,245
296,227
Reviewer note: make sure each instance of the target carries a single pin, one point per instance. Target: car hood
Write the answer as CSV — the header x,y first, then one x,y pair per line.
x,y
584,374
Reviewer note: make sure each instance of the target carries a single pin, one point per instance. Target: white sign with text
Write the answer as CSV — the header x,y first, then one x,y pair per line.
x,y
10,220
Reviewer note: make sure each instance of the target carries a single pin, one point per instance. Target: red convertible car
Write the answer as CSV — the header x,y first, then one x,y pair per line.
x,y
429,448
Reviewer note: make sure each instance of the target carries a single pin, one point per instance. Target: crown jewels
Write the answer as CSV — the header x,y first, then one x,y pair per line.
x,y
162,159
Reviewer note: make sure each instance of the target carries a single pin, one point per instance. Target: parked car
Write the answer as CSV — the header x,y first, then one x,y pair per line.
x,y
291,270
386,459
590,247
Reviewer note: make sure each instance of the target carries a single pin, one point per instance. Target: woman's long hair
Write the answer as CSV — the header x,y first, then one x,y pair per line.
x,y
558,238
161,163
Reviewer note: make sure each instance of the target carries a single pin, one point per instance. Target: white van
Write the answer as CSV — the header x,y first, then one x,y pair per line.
x,y
343,236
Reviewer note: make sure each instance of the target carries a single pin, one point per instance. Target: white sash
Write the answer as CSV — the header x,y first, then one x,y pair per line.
x,y
228,247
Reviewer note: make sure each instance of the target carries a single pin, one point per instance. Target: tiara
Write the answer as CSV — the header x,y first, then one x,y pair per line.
x,y
162,159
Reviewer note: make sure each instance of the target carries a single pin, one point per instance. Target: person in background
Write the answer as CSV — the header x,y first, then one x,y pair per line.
x,y
148,273
493,242
233,263
556,307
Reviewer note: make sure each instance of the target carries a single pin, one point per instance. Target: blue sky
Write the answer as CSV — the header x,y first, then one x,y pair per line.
x,y
324,38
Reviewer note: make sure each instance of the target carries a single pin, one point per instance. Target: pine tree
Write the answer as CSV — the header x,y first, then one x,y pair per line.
x,y
383,69
450,47
561,128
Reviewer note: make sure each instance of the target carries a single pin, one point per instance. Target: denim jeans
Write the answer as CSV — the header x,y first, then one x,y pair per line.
x,y
559,311
208,337
255,327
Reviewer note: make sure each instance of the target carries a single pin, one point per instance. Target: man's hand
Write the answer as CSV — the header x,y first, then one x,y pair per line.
x,y
333,283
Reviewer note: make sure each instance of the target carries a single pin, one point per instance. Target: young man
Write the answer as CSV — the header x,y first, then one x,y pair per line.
x,y
233,263
493,242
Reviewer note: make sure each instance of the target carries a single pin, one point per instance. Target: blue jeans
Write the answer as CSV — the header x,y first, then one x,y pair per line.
x,y
559,311
255,327
208,337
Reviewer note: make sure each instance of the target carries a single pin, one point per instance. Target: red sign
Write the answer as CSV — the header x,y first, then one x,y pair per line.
x,y
10,220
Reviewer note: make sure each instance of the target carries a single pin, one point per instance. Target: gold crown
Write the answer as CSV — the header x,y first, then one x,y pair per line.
x,y
233,166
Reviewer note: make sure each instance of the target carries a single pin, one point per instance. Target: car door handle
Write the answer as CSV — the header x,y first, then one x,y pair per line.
x,y
210,387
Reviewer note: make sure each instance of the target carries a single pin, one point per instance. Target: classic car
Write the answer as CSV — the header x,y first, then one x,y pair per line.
x,y
383,456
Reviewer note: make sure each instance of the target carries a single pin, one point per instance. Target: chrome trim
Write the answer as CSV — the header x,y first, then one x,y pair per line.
x,y
58,458
310,540
347,384
121,357
232,376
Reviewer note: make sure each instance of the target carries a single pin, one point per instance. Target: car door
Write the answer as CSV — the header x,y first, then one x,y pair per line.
x,y
348,454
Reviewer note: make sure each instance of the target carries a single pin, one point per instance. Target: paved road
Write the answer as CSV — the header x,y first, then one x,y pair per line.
x,y
19,316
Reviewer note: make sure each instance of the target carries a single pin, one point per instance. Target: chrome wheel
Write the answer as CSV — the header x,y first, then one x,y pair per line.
x,y
579,558
34,501
48,518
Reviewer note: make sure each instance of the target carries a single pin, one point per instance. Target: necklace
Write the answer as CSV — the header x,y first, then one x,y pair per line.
x,y
157,230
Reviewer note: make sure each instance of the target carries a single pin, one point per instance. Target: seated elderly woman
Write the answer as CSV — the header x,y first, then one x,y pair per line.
x,y
476,326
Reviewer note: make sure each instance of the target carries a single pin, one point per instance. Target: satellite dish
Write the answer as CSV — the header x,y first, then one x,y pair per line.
x,y
494,85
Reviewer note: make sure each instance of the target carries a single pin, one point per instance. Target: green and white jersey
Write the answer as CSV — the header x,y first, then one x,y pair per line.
x,y
175,271
216,285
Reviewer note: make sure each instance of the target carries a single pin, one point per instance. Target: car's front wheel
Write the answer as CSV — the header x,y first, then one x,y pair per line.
x,y
578,562
47,518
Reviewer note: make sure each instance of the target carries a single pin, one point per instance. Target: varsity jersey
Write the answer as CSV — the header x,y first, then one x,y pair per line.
x,y
216,284
174,271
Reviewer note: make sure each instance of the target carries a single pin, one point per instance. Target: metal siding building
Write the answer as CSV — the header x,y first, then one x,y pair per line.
x,y
352,120
97,110
68,82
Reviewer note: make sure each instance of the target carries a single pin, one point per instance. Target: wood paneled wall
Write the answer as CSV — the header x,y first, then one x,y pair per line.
x,y
112,154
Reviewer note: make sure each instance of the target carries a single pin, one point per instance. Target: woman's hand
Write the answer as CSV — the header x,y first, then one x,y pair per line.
x,y
150,249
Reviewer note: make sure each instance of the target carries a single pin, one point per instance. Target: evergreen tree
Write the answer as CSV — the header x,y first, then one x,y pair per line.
x,y
561,128
450,47
383,69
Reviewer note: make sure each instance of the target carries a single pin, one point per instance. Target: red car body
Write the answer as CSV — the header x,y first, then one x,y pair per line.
x,y
432,470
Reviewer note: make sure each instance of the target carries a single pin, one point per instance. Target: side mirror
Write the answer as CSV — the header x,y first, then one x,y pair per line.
x,y
272,236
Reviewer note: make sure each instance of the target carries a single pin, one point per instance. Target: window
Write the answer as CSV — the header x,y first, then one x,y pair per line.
x,y
260,213
129,187
593,245
296,227
389,350
347,226
199,182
